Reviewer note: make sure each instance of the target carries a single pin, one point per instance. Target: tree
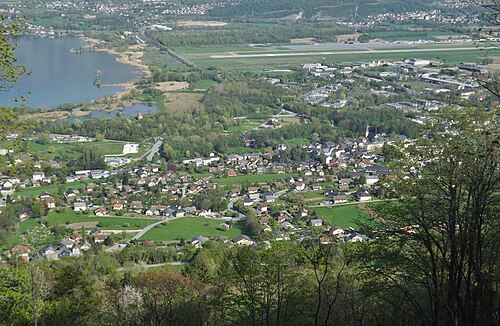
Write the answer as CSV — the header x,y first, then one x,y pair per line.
x,y
10,72
440,250
491,80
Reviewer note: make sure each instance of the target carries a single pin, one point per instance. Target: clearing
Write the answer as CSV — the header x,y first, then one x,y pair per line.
x,y
189,227
179,103
172,86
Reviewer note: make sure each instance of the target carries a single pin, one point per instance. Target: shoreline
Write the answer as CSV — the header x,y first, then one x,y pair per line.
x,y
131,58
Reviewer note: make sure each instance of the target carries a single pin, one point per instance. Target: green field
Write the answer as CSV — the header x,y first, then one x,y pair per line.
x,y
109,223
344,216
254,178
296,141
189,227
52,189
246,125
203,84
256,64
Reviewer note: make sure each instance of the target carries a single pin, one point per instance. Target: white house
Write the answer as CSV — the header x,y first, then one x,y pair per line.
x,y
317,222
243,240
38,176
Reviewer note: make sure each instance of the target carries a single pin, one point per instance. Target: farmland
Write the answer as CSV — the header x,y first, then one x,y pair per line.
x,y
189,227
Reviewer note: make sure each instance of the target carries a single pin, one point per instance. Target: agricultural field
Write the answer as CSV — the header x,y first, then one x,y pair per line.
x,y
251,179
344,216
189,227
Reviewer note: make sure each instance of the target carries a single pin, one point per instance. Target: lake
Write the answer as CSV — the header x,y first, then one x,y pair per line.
x,y
60,76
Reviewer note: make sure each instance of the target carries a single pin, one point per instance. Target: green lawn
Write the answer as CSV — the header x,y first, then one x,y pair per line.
x,y
296,141
52,189
254,178
189,227
245,126
203,84
344,216
110,223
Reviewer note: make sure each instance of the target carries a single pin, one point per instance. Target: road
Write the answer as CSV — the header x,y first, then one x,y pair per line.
x,y
230,208
156,147
314,53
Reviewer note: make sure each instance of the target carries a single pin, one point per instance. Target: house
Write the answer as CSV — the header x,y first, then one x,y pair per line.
x,y
269,197
316,187
253,190
254,197
343,187
44,195
262,208
38,176
264,220
24,213
371,180
49,250
302,212
362,195
100,237
243,240
50,203
299,186
198,241
101,211
339,198
316,222
22,252
80,206
287,226
231,173
70,193
135,205
336,232
247,202
118,207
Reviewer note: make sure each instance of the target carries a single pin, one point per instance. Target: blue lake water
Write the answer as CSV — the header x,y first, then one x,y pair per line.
x,y
59,75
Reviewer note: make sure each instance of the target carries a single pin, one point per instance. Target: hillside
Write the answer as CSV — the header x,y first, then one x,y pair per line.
x,y
321,8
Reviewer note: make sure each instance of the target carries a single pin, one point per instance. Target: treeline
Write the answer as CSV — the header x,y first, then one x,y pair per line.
x,y
336,8
268,33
